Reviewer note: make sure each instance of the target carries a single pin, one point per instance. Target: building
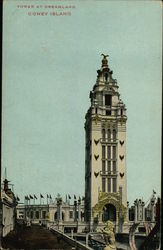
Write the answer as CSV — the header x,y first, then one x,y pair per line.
x,y
105,151
105,172
9,204
61,214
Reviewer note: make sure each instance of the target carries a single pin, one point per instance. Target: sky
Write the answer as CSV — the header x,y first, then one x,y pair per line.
x,y
49,68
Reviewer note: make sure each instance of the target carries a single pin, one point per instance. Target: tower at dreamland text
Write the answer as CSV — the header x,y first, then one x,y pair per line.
x,y
105,153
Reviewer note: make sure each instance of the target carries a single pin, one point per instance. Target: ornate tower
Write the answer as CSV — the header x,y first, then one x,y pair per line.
x,y
105,150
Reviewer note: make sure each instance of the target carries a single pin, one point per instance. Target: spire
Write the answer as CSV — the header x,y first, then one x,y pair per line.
x,y
104,61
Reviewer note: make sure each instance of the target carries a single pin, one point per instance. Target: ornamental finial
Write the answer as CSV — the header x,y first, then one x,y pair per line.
x,y
104,60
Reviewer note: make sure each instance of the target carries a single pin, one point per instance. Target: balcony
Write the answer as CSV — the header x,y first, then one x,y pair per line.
x,y
108,173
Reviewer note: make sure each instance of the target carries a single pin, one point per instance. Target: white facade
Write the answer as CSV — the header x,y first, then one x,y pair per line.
x,y
8,213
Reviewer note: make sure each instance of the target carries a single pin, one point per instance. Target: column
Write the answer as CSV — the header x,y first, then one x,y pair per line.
x,y
152,209
136,213
143,211
128,211
79,209
75,210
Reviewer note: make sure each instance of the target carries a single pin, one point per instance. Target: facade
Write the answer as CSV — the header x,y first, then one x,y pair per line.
x,y
105,151
60,214
8,209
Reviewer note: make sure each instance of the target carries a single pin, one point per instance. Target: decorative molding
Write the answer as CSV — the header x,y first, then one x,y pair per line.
x,y
96,142
96,157
110,198
121,175
121,142
121,157
96,174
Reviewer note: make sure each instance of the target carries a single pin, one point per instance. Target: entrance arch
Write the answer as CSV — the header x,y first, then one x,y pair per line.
x,y
109,213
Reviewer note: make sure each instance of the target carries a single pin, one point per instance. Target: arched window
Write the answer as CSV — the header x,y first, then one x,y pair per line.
x,y
109,134
55,216
31,214
109,213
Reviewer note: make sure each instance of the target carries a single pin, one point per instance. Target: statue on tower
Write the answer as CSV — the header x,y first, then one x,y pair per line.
x,y
104,60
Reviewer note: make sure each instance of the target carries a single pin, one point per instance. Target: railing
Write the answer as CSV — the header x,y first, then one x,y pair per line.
x,y
108,141
74,243
105,173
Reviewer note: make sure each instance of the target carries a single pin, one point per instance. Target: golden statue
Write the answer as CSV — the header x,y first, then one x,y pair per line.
x,y
109,236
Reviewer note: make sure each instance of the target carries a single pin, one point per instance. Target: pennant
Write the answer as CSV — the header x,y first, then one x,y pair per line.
x,y
27,198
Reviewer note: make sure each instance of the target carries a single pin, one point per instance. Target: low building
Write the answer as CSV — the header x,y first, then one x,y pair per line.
x,y
8,202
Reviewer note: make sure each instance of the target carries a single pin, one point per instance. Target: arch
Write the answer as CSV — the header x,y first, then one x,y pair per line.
x,y
109,213
55,216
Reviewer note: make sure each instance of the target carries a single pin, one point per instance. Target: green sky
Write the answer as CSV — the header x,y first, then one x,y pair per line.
x,y
49,68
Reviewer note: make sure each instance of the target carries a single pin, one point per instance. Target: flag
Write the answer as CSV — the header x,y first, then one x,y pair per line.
x,y
75,197
30,196
69,196
35,197
41,196
27,198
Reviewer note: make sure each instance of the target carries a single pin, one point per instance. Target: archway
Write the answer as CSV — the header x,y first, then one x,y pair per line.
x,y
109,213
56,216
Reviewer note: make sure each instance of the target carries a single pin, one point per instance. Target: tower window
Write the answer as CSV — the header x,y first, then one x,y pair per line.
x,y
103,152
103,184
109,134
109,152
103,167
109,184
106,77
109,166
96,110
121,112
114,167
114,185
114,135
114,152
108,100
103,134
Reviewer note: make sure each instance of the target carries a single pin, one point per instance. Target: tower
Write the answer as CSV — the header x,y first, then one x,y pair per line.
x,y
105,151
